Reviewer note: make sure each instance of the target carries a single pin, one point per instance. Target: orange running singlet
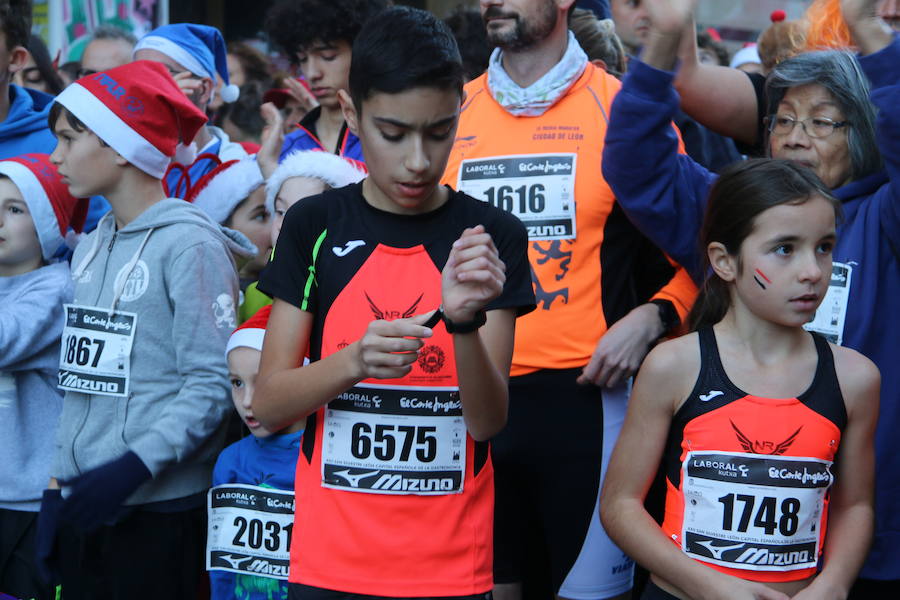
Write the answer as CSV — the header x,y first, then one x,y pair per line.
x,y
748,478
396,497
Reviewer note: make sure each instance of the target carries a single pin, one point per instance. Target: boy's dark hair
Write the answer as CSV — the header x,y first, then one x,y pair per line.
x,y
471,39
15,21
293,25
403,48
57,110
744,191
244,112
706,41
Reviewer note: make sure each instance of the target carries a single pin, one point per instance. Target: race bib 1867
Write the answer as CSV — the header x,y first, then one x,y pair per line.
x,y
537,188
95,357
753,511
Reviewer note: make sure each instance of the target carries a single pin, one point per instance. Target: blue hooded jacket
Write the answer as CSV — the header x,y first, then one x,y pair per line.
x,y
665,193
25,128
305,138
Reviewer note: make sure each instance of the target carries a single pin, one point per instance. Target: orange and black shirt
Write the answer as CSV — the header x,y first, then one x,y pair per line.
x,y
748,479
397,498
589,265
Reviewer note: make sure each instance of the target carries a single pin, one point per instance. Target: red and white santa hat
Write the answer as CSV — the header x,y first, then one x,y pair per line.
x,y
220,191
251,332
335,171
53,209
138,110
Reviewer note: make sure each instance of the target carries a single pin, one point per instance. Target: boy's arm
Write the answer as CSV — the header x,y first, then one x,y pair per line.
x,y
34,324
198,278
851,513
472,277
286,392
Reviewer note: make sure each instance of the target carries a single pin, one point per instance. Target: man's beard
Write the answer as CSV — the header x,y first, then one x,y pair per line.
x,y
524,34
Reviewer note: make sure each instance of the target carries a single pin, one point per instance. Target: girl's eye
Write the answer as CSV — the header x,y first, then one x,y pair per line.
x,y
16,210
261,217
237,383
826,247
783,249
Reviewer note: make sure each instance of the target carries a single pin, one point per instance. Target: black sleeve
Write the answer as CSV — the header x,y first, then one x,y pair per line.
x,y
290,274
759,148
511,239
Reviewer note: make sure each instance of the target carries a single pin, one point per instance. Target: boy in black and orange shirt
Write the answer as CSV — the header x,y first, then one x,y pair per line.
x,y
394,474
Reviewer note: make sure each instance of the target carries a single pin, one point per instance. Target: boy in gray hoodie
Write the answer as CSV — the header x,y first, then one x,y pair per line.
x,y
36,209
142,360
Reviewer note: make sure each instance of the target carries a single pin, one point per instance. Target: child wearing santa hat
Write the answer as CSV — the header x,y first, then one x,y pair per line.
x,y
194,54
263,465
143,364
36,210
233,194
303,173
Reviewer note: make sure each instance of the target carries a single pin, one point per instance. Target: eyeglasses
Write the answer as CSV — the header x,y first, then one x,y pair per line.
x,y
814,127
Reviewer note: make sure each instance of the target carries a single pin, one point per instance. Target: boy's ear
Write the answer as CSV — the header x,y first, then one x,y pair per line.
x,y
723,264
203,94
18,58
349,110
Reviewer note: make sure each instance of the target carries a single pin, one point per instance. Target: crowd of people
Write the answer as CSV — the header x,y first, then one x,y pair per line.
x,y
532,302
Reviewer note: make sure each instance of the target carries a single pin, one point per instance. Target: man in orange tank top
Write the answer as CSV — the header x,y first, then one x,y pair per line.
x,y
530,141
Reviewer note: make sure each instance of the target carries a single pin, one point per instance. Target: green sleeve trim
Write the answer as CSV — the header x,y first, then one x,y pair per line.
x,y
312,270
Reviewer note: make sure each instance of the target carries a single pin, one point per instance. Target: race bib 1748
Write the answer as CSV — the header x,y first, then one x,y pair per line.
x,y
753,511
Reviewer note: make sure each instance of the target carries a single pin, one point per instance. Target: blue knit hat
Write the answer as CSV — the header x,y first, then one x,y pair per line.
x,y
199,48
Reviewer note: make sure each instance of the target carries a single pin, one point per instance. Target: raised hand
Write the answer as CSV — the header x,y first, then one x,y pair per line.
x,y
473,275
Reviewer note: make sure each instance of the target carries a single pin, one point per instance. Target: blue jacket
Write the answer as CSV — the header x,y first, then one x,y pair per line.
x,y
26,128
664,194
267,462
305,138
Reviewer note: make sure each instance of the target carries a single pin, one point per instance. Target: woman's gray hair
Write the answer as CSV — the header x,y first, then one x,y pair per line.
x,y
840,74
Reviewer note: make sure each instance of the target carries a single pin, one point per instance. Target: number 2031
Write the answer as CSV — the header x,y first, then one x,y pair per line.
x,y
255,534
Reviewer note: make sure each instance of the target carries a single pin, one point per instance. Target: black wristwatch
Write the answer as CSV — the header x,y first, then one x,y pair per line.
x,y
667,314
477,321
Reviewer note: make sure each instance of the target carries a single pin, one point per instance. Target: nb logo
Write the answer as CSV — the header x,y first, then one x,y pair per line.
x,y
710,395
348,247
717,551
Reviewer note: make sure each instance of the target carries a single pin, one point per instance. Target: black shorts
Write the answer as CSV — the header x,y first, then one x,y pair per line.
x,y
654,592
547,465
18,573
147,554
298,591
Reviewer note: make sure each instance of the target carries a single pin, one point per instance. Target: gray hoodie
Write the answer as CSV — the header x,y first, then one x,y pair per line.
x,y
172,266
30,325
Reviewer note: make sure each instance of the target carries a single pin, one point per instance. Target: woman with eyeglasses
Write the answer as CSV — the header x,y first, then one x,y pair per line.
x,y
821,110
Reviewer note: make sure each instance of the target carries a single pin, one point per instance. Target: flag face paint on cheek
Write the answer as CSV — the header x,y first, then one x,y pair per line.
x,y
763,276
